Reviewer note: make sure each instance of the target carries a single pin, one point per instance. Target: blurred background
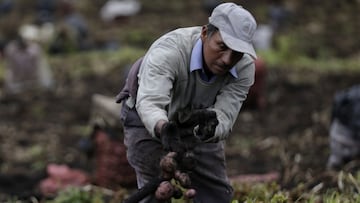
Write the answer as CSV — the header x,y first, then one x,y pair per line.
x,y
309,28
64,61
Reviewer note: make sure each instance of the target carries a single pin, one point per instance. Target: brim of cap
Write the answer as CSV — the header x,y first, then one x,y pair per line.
x,y
238,45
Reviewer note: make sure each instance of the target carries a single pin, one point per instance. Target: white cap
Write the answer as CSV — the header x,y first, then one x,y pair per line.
x,y
237,27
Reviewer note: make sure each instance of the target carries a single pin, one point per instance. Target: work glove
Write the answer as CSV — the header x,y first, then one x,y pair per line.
x,y
206,121
170,138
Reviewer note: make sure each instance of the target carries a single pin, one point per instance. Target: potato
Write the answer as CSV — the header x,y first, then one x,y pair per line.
x,y
168,163
190,193
165,191
183,178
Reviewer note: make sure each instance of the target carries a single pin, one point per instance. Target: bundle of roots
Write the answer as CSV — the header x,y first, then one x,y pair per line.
x,y
174,180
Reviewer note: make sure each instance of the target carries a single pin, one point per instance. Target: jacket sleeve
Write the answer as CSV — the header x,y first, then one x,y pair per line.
x,y
156,78
231,97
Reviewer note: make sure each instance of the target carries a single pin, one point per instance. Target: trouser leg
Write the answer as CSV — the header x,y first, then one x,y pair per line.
x,y
143,153
209,177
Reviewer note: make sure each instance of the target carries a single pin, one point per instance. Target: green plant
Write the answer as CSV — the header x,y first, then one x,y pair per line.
x,y
77,195
279,198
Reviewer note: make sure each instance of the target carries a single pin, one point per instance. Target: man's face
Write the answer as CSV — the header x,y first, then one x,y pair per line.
x,y
218,57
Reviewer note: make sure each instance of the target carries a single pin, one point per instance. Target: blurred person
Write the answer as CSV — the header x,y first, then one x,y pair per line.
x,y
192,82
262,41
26,67
45,11
256,98
40,33
345,128
114,10
64,40
278,14
72,32
263,38
6,6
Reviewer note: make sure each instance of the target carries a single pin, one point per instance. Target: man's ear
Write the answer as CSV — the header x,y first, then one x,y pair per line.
x,y
204,31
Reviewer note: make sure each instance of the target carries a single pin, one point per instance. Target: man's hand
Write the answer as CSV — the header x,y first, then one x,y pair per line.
x,y
207,122
170,138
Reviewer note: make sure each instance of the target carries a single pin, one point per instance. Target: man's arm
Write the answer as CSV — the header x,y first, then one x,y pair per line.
x,y
156,77
231,97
